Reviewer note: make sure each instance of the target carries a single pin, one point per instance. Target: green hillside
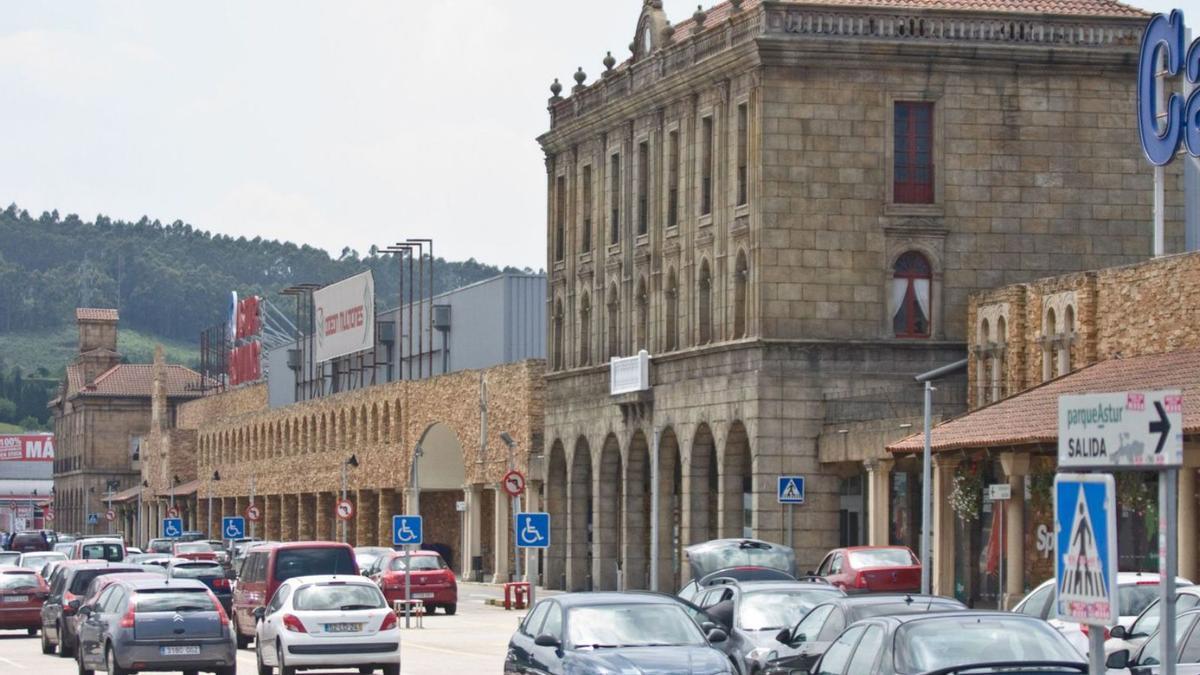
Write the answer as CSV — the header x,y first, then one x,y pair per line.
x,y
51,349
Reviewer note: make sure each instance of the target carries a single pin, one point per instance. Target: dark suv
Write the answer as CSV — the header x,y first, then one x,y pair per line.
x,y
29,541
66,595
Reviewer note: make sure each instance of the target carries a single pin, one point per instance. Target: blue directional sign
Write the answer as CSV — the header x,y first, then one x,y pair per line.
x,y
1085,548
172,527
233,527
407,530
93,518
533,530
791,490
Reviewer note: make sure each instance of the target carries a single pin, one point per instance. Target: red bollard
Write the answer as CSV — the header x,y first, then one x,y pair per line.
x,y
516,595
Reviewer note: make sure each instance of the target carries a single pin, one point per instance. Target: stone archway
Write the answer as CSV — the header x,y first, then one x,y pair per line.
x,y
556,503
699,486
737,483
606,527
579,516
636,542
670,506
440,474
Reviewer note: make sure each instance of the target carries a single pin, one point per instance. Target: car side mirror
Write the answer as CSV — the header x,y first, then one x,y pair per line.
x,y
799,637
1118,660
86,610
1118,632
547,640
717,635
707,626
784,636
74,605
259,613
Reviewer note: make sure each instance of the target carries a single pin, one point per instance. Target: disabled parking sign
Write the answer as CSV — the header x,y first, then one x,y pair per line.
x,y
407,530
1085,549
532,530
172,528
233,527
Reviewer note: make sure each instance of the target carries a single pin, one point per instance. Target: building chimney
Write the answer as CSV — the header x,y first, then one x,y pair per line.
x,y
97,341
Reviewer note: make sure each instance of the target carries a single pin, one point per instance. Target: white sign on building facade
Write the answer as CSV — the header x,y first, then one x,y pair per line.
x,y
630,374
344,315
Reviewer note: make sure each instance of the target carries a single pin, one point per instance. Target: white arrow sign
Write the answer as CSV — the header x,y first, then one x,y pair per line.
x,y
1128,429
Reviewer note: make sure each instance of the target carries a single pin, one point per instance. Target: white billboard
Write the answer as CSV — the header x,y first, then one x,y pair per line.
x,y
345,317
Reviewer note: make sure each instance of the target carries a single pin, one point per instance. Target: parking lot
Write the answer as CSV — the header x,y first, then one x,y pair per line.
x,y
473,641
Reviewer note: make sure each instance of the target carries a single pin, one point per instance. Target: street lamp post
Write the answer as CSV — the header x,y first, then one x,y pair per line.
x,y
140,531
208,525
87,515
516,503
416,493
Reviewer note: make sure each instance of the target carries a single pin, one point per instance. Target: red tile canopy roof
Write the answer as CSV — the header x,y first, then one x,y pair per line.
x,y
137,379
1031,417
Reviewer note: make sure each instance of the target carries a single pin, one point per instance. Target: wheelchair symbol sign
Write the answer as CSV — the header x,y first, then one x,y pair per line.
x,y
233,527
407,530
172,527
533,530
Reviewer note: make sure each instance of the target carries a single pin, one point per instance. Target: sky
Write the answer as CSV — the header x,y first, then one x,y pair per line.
x,y
346,123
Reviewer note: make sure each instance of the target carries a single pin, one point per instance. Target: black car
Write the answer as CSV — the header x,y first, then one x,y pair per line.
x,y
211,573
66,595
613,632
796,648
753,613
944,643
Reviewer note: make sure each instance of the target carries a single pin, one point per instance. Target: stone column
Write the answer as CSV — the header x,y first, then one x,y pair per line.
x,y
289,515
385,508
503,553
325,519
943,525
204,518
307,517
1187,520
1016,467
605,549
474,529
367,518
879,498
270,505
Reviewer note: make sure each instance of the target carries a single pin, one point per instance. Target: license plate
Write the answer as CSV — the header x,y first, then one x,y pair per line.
x,y
343,627
183,650
16,598
422,596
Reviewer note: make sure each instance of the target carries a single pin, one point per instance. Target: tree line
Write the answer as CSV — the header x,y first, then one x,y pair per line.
x,y
23,397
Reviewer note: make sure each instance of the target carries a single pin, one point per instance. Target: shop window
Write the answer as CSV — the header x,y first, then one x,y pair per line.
x,y
643,187
913,153
704,302
706,165
910,301
673,179
614,222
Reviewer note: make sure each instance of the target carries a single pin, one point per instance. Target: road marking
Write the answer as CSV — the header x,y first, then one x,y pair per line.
x,y
445,651
15,664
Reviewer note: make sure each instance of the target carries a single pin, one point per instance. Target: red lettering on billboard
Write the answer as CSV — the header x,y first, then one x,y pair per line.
x,y
26,448
347,319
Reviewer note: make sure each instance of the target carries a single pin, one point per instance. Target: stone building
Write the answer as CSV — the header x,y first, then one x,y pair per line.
x,y
101,416
787,205
1124,328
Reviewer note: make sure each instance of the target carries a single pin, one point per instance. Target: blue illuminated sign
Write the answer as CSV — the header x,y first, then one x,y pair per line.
x,y
1164,36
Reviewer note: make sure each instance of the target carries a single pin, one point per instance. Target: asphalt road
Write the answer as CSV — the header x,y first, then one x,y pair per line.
x,y
472,641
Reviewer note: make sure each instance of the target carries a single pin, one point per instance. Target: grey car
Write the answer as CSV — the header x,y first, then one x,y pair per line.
x,y
140,625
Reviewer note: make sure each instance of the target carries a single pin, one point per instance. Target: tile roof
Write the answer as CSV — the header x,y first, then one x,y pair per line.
x,y
94,314
1031,417
126,494
137,379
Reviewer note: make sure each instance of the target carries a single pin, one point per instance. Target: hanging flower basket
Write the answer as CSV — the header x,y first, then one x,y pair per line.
x,y
967,496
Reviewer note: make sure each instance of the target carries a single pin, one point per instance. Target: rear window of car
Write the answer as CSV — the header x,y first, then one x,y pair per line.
x,y
194,547
109,552
1133,598
11,581
896,608
197,570
82,578
328,597
27,539
174,600
160,546
883,557
421,562
302,562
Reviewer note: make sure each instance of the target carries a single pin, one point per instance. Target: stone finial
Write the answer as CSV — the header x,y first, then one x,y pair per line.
x,y
555,88
668,33
736,4
580,77
609,61
700,16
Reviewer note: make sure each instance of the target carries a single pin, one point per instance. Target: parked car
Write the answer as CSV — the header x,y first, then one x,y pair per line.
x,y
433,582
65,547
740,559
22,592
91,595
1146,623
10,557
950,642
160,545
194,550
1135,591
156,624
326,621
208,572
110,549
66,595
872,569
36,560
34,540
366,556
269,565
613,632
145,558
798,646
753,612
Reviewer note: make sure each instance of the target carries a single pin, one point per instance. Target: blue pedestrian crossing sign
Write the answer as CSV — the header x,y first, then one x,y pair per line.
x,y
407,531
791,490
172,527
1085,549
233,527
93,518
532,530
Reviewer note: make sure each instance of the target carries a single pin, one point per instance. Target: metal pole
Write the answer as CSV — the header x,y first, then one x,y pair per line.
x,y
1159,199
1096,665
1168,486
140,533
654,510
1003,545
411,355
790,516
407,584
516,549
252,523
342,521
109,508
927,490
209,519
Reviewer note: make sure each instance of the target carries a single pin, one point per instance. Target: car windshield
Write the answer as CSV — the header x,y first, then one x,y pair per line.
x,y
64,548
881,557
775,609
1133,598
194,547
197,570
419,562
35,561
931,644
11,581
174,600
303,562
9,557
640,625
109,552
328,597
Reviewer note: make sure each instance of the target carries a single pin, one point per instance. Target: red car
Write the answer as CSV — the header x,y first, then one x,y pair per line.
x,y
432,580
22,592
872,569
194,550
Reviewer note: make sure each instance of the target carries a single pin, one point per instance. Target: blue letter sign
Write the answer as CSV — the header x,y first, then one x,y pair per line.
x,y
1182,119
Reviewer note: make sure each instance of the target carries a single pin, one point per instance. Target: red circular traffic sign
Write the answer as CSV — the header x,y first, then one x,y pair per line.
x,y
344,510
48,513
110,515
172,512
513,483
253,513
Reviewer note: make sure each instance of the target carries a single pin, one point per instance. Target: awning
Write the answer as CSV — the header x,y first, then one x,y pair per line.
x,y
1031,417
127,494
183,489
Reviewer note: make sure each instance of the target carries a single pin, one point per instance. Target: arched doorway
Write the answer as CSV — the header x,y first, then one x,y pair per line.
x,y
670,531
579,515
440,476
606,528
700,516
636,543
556,503
736,500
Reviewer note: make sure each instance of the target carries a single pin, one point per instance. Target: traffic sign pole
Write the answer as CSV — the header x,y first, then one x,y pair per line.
x,y
1168,485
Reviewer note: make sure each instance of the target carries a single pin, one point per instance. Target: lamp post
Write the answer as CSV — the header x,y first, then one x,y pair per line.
x,y
140,531
208,525
87,511
351,462
416,493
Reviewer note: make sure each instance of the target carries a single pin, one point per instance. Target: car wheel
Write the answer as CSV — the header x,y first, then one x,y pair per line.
x,y
283,670
79,662
243,642
391,669
450,609
263,669
64,650
228,670
47,647
365,670
31,631
110,659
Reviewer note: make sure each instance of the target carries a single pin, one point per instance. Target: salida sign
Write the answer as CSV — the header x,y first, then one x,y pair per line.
x,y
1128,429
26,447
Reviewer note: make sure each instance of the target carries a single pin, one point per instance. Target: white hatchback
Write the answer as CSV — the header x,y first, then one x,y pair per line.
x,y
327,621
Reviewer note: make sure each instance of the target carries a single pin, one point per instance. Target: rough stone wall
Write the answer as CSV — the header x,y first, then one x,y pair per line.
x,y
242,401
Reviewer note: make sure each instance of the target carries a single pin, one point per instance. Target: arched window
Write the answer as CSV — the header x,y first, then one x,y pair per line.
x,y
912,278
558,334
1064,343
1049,330
585,330
613,326
741,276
983,371
999,372
643,315
672,311
704,299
